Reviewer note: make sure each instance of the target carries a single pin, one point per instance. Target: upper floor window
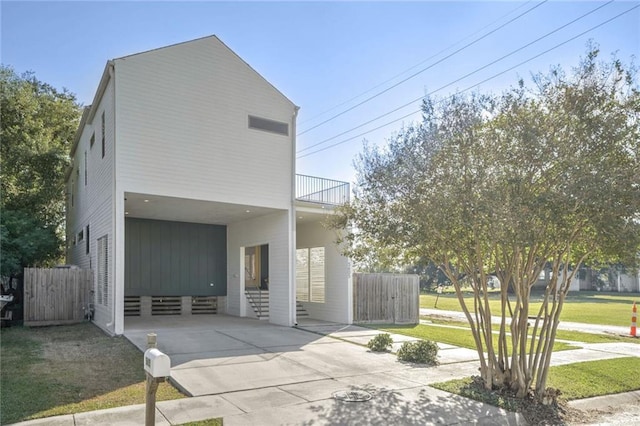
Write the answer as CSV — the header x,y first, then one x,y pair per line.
x,y
88,240
85,168
269,125
102,126
92,140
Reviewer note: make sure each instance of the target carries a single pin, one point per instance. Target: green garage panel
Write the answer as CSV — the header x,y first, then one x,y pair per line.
x,y
174,258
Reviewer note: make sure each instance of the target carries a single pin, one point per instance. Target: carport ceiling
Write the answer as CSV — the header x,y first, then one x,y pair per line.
x,y
146,206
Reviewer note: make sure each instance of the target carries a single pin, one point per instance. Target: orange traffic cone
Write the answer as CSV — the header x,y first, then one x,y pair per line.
x,y
634,315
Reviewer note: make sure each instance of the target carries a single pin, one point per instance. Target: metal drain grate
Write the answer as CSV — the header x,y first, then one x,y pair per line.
x,y
352,396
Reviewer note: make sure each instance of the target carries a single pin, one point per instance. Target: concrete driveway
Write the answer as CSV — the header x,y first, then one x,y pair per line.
x,y
217,354
252,372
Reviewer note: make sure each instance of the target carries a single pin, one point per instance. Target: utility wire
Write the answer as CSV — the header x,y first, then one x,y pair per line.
x,y
414,66
459,79
422,70
477,84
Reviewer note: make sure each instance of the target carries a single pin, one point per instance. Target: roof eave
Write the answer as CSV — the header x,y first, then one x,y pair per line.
x,y
89,112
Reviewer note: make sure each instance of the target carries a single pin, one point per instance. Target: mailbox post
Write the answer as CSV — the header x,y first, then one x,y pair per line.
x,y
157,366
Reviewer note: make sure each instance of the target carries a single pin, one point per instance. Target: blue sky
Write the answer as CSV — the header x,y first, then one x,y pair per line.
x,y
323,54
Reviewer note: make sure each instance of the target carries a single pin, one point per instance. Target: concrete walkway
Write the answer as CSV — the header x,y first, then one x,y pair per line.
x,y
251,372
564,325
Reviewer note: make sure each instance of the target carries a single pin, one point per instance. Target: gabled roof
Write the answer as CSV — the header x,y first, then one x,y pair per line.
x,y
90,110
216,39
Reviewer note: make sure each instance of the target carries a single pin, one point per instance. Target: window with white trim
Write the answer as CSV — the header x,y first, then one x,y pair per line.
x,y
310,275
102,293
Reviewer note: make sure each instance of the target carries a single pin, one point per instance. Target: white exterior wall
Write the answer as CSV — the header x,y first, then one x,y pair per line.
x,y
93,202
273,229
182,115
338,305
179,118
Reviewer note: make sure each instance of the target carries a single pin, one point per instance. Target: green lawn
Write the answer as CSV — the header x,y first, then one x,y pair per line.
x,y
575,336
453,336
585,307
69,369
576,381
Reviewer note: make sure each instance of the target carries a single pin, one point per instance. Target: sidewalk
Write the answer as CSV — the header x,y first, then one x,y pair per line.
x,y
399,394
564,325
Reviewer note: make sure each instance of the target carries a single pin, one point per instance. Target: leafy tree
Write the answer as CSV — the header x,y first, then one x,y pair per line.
x,y
541,176
37,128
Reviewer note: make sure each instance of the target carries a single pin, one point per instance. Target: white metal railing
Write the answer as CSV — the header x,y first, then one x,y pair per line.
x,y
320,190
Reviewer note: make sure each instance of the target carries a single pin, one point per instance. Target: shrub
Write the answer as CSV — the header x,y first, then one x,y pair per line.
x,y
380,343
422,352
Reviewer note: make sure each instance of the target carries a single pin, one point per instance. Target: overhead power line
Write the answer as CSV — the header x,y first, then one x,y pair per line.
x,y
460,78
477,84
414,66
422,70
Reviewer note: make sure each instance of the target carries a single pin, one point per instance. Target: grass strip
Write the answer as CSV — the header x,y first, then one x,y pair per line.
x,y
575,381
575,336
451,336
208,422
584,307
51,371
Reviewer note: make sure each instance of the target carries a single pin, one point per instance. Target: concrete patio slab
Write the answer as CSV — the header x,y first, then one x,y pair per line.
x,y
416,406
267,337
132,415
456,355
315,390
243,376
621,348
66,420
341,359
377,382
606,401
209,359
363,340
442,373
259,399
180,411
581,355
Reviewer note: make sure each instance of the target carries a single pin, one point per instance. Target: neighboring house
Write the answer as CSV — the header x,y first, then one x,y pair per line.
x,y
588,279
183,197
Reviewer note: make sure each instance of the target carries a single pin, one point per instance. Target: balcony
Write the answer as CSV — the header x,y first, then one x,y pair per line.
x,y
321,191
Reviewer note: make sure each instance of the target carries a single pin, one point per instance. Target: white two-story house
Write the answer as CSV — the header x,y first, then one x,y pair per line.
x,y
183,199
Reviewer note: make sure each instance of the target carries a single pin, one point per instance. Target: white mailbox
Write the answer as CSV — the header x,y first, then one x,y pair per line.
x,y
156,363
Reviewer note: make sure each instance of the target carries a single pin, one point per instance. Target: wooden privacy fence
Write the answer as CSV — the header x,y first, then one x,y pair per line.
x,y
386,298
56,296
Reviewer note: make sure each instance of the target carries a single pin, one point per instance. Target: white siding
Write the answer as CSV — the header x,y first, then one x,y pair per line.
x,y
179,118
338,292
93,202
273,230
182,115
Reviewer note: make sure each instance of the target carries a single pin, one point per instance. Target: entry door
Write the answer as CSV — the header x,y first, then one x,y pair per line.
x,y
252,267
256,267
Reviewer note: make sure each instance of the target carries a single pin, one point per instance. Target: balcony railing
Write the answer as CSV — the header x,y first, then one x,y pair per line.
x,y
322,191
